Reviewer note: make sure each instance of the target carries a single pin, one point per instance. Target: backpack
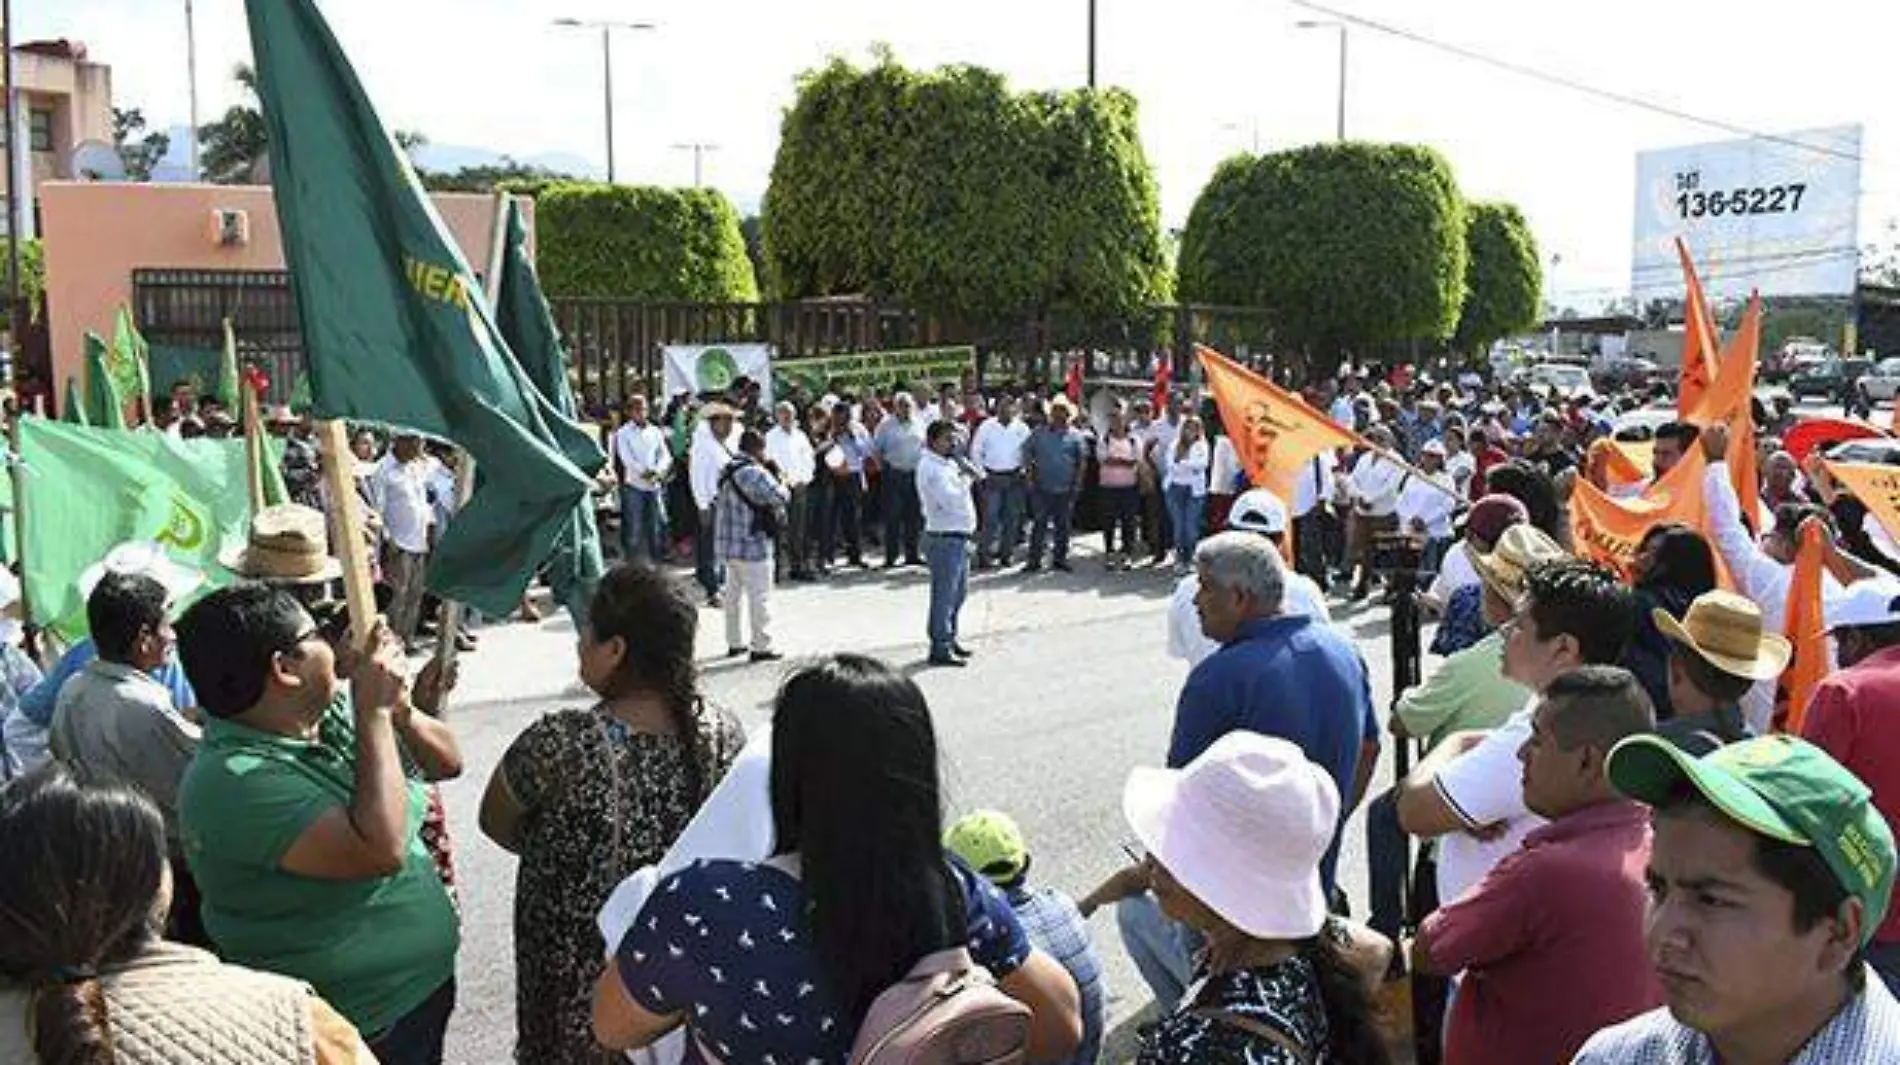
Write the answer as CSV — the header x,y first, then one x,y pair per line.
x,y
946,1011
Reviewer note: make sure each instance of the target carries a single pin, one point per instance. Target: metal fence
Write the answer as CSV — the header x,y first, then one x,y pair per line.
x,y
187,309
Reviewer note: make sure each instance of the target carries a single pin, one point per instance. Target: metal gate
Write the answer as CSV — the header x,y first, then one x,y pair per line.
x,y
187,309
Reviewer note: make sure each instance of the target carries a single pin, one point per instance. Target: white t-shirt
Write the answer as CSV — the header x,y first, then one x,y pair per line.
x,y
1189,470
402,498
1375,483
1427,500
1484,786
998,448
792,451
1313,484
1187,642
642,451
1224,474
1454,573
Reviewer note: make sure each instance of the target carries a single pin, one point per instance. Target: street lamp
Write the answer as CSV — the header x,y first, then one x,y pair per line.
x,y
699,150
1091,44
1252,128
606,28
1333,24
191,83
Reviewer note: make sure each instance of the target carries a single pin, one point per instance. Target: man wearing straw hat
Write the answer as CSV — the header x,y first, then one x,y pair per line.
x,y
1718,653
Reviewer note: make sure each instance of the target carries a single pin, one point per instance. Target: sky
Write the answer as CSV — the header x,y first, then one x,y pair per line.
x,y
1213,77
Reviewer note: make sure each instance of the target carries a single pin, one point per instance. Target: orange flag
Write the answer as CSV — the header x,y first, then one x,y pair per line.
x,y
1876,486
1730,399
1806,631
1607,530
1699,365
1274,432
1623,462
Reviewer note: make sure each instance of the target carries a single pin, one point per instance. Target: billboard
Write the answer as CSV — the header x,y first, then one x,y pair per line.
x,y
1779,214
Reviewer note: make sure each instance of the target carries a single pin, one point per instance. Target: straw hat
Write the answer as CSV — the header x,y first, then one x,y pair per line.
x,y
1243,827
1519,548
145,557
289,544
1724,630
716,409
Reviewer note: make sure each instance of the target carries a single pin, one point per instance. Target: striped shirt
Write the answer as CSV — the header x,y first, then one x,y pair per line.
x,y
1867,1029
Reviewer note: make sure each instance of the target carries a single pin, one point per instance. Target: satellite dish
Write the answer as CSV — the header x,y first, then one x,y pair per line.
x,y
96,161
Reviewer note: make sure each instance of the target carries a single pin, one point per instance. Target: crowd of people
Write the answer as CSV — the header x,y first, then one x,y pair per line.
x,y
225,837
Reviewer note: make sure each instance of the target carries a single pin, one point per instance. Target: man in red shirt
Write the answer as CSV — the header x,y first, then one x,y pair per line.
x,y
1855,716
1551,940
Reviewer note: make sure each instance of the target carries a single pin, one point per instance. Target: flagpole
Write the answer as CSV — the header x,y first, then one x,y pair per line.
x,y
347,532
253,437
451,625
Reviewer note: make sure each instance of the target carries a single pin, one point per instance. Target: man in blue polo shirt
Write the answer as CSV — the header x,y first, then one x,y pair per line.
x,y
1275,674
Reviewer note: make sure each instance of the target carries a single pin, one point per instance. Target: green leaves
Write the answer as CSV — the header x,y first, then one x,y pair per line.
x,y
952,193
1344,244
1504,279
641,243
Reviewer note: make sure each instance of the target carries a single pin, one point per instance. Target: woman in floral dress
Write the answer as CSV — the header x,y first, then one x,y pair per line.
x,y
586,797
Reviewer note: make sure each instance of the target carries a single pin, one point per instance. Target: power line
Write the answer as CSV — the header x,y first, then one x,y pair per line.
x,y
1568,83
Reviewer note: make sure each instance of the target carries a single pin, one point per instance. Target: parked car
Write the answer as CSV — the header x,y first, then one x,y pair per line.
x,y
1880,382
1641,424
1831,380
1626,371
1561,378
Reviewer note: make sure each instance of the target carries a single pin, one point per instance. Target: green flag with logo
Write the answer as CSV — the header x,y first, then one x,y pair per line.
x,y
73,410
87,490
527,324
129,362
395,329
105,404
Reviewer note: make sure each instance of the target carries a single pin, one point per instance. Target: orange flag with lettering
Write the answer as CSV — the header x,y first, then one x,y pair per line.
x,y
1730,399
1806,630
1699,363
1876,486
1607,530
1274,432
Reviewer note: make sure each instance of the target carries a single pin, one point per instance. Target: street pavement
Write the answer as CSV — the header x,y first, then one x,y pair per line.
x,y
1071,687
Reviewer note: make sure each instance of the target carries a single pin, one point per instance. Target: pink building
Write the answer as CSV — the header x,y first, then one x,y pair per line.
x,y
152,247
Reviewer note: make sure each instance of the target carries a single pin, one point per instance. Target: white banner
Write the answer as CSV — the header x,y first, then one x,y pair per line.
x,y
1776,214
698,368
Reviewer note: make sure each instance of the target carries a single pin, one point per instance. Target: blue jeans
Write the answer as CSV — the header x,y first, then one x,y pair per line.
x,y
1057,508
416,1038
1184,517
642,524
1003,503
1162,948
948,556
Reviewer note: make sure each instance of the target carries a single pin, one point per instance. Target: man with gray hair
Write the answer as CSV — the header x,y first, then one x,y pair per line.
x,y
899,446
1277,674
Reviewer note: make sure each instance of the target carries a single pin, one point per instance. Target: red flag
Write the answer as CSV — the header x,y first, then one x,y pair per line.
x,y
1072,384
1806,631
1164,377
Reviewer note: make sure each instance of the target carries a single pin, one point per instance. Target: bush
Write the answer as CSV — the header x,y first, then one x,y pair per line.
x,y
1346,245
640,243
950,192
1504,277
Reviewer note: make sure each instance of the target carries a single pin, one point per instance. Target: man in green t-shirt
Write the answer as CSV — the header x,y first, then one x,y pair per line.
x,y
299,823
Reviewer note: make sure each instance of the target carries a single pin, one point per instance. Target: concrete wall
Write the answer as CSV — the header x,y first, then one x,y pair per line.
x,y
79,97
98,234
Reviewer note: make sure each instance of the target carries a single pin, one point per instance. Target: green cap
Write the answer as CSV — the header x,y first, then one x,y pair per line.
x,y
1784,788
990,843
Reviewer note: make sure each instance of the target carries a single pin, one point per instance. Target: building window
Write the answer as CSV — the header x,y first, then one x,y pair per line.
x,y
40,130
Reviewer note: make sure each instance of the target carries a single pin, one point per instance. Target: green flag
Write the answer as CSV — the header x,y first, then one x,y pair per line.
x,y
395,329
73,411
527,324
87,490
128,362
105,404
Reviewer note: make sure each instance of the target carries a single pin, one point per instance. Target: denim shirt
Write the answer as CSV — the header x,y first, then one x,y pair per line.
x,y
1057,458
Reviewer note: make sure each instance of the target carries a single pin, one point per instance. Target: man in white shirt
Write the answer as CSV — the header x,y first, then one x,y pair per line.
x,y
1469,790
998,451
943,491
645,460
1426,502
1373,488
1257,511
1342,407
1312,491
715,444
788,448
401,496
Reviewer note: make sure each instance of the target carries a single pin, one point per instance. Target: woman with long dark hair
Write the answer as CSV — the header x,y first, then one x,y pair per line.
x,y
585,797
1234,845
1536,490
85,976
781,960
1674,564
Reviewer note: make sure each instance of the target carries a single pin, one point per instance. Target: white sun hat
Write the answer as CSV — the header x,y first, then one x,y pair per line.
x,y
1243,827
146,557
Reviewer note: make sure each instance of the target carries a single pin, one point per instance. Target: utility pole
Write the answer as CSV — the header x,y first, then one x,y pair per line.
x,y
191,83
606,28
1091,43
1332,24
700,149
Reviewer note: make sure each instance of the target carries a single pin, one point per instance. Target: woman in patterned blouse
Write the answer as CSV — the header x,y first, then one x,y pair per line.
x,y
1234,845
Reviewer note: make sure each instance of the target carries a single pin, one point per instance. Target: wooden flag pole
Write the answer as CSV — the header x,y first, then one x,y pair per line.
x,y
346,528
253,435
450,627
